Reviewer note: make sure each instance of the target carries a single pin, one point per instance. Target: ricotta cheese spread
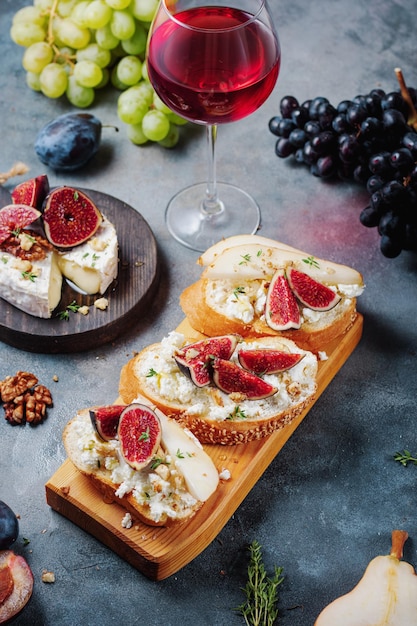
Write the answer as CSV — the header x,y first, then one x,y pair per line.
x,y
164,379
246,301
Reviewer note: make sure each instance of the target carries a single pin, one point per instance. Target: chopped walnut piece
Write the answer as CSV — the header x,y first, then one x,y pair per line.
x,y
101,303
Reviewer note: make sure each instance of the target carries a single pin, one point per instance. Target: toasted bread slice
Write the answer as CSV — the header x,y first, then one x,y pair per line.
x,y
211,318
164,493
211,414
231,294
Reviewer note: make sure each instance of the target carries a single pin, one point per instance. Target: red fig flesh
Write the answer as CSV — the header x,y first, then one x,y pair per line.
x,y
281,308
139,433
310,292
231,378
31,192
15,217
268,360
69,217
195,359
105,420
16,584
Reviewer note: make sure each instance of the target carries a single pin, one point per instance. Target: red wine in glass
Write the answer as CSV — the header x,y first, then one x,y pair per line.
x,y
220,73
212,64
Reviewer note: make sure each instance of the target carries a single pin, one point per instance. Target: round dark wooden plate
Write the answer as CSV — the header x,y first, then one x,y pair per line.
x,y
128,295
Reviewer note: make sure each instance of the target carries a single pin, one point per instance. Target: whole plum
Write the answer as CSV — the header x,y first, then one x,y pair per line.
x,y
69,141
9,526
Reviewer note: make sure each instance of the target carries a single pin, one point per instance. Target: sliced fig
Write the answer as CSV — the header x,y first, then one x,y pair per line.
x,y
15,217
105,420
281,307
139,433
231,378
195,358
32,192
70,217
310,292
268,360
17,578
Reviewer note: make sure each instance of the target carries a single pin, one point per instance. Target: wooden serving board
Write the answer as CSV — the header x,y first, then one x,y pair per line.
x,y
128,296
160,552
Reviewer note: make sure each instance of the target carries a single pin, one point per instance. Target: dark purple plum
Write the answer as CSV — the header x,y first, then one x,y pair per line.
x,y
69,141
9,526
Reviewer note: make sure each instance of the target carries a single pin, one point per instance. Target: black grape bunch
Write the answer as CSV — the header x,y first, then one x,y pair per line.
x,y
372,140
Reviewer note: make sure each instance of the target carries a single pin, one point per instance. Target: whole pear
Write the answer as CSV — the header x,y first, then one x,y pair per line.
x,y
386,595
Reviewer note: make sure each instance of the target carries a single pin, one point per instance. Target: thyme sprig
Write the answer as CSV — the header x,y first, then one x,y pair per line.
x,y
405,457
73,307
260,606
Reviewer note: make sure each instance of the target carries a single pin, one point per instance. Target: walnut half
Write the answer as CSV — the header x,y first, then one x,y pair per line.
x,y
24,400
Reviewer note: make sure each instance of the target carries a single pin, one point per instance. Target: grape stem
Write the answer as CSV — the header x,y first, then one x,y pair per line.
x,y
412,118
51,37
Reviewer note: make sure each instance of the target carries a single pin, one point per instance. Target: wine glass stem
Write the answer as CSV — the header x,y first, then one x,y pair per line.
x,y
211,205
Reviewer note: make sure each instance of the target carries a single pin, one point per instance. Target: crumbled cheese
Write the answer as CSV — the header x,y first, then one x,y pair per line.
x,y
84,310
225,474
127,521
322,355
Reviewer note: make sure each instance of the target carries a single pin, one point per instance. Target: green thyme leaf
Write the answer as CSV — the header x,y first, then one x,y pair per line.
x,y
145,435
311,261
405,458
151,372
29,276
245,259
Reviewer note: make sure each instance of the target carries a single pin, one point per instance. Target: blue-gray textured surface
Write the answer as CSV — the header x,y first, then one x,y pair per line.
x,y
328,503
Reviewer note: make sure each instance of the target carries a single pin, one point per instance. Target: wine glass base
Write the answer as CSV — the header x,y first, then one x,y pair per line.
x,y
189,224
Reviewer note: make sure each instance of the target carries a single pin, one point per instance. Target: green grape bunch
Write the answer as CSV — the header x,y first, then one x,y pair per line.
x,y
75,47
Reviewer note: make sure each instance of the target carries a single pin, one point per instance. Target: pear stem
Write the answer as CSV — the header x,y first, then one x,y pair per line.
x,y
398,539
412,118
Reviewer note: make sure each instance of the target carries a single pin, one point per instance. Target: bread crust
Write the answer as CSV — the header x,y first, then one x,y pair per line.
x,y
206,429
310,336
100,479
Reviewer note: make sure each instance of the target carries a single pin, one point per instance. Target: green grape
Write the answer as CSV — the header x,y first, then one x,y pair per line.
x,y
105,38
88,73
161,106
97,14
173,137
27,33
37,56
93,52
155,125
53,80
122,24
105,80
72,35
137,43
78,95
118,4
145,72
78,14
65,7
176,119
131,106
136,135
144,10
33,81
129,70
117,84
43,5
30,15
65,55
145,91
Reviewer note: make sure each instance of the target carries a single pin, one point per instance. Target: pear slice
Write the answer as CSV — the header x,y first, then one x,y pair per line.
x,y
240,240
386,595
256,261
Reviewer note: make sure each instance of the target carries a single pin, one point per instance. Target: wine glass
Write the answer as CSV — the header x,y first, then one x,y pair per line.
x,y
212,62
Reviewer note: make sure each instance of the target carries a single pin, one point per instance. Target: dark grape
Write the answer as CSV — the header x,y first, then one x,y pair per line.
x,y
299,116
314,106
370,217
284,147
287,105
298,137
9,526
